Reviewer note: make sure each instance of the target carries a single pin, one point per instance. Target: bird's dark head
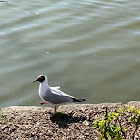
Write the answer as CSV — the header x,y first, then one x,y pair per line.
x,y
40,78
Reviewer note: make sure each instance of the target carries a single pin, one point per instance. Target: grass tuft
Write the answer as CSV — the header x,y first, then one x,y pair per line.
x,y
58,114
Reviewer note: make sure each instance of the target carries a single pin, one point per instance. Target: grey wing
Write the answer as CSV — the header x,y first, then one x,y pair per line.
x,y
58,87
56,96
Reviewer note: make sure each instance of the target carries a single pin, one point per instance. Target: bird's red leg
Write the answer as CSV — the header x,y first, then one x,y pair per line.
x,y
43,103
55,109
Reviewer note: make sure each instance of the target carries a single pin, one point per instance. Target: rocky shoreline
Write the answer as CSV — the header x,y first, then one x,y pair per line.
x,y
37,123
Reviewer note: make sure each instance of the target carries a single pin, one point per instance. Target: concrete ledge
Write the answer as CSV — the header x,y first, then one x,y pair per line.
x,y
33,122
70,107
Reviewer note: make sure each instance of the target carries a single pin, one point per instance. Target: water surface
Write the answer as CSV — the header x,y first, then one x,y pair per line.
x,y
88,48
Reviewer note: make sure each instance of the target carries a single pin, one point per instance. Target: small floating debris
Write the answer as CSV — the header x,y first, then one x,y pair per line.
x,y
21,100
31,12
83,52
47,52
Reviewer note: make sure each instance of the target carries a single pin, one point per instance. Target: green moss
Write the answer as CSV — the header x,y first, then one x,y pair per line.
x,y
58,114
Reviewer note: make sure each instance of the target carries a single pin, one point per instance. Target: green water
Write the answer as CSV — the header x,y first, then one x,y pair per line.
x,y
91,49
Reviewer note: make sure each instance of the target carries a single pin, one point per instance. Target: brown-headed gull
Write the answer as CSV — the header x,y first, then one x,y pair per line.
x,y
52,94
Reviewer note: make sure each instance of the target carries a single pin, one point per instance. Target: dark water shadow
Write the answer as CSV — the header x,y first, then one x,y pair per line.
x,y
2,1
64,119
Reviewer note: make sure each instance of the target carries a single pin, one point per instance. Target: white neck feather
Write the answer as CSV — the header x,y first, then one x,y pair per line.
x,y
43,87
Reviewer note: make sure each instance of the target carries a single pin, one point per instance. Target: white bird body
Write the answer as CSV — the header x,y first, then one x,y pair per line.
x,y
52,94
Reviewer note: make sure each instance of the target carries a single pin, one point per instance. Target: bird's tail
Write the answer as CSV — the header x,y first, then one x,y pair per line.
x,y
78,100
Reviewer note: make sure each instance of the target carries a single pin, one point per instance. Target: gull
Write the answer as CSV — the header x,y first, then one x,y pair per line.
x,y
53,95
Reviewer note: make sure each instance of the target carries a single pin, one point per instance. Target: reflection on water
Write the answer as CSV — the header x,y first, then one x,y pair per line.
x,y
89,48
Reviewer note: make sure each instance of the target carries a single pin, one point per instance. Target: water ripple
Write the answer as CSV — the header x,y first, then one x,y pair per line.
x,y
93,47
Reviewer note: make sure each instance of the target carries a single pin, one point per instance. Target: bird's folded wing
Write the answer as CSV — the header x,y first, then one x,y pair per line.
x,y
60,93
56,96
58,87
